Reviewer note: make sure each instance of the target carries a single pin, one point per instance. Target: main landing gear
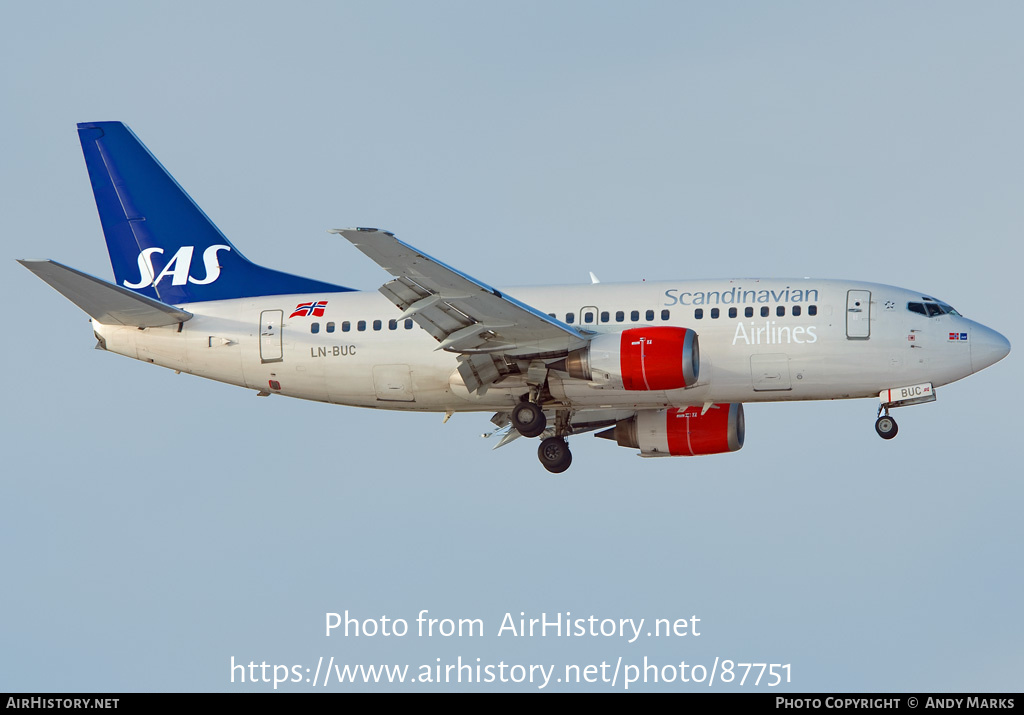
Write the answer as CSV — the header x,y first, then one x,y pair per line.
x,y
528,419
554,454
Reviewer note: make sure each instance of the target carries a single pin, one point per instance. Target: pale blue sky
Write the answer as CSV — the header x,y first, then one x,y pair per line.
x,y
153,525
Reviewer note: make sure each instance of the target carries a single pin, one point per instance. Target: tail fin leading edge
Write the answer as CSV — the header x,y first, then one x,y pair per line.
x,y
160,242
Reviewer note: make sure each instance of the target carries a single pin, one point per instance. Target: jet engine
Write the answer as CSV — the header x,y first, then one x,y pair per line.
x,y
680,432
654,358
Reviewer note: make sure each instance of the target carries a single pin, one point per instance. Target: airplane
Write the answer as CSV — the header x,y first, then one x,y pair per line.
x,y
659,367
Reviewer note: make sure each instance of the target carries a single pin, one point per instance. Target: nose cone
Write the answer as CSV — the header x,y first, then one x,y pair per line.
x,y
987,348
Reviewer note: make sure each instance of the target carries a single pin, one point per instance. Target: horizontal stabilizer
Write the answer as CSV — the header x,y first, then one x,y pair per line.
x,y
105,302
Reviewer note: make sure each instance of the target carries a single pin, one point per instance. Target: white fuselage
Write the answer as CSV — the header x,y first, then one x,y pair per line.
x,y
760,340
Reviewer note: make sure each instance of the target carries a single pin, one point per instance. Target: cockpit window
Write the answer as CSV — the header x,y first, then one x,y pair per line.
x,y
931,308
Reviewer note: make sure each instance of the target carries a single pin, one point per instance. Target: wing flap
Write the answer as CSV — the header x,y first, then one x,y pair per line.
x,y
105,302
462,313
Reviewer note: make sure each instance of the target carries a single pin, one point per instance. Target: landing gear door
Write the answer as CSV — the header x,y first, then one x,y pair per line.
x,y
858,314
270,336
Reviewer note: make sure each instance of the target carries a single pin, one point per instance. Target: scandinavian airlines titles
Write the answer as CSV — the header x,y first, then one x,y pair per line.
x,y
771,334
753,333
737,295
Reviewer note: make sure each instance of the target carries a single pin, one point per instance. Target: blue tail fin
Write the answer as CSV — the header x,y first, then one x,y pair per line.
x,y
161,244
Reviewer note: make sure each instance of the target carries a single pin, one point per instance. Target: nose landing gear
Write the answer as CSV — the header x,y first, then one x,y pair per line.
x,y
885,425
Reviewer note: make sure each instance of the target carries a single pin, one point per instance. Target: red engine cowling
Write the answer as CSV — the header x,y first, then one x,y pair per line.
x,y
678,432
655,358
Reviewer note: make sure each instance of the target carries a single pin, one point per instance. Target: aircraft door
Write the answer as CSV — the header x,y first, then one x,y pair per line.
x,y
858,314
588,316
270,336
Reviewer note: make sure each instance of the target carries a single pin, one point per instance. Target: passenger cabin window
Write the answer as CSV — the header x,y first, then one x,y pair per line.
x,y
330,327
376,325
698,314
664,314
570,318
361,325
605,317
620,316
408,324
780,311
346,326
715,313
764,311
392,324
796,310
314,328
812,310
732,312
650,315
634,315
749,312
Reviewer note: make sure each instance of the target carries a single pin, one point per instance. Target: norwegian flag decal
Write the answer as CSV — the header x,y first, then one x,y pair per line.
x,y
315,308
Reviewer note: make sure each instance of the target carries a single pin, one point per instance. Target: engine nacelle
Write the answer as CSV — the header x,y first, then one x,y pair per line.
x,y
655,358
679,432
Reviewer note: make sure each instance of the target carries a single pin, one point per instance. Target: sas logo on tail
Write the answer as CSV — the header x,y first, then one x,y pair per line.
x,y
959,337
314,308
178,268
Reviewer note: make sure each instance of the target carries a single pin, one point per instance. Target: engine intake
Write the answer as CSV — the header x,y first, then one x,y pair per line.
x,y
681,432
655,358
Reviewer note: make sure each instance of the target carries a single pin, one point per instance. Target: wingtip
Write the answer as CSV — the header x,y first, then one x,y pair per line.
x,y
357,230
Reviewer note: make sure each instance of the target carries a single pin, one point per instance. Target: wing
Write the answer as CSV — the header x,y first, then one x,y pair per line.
x,y
466,316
